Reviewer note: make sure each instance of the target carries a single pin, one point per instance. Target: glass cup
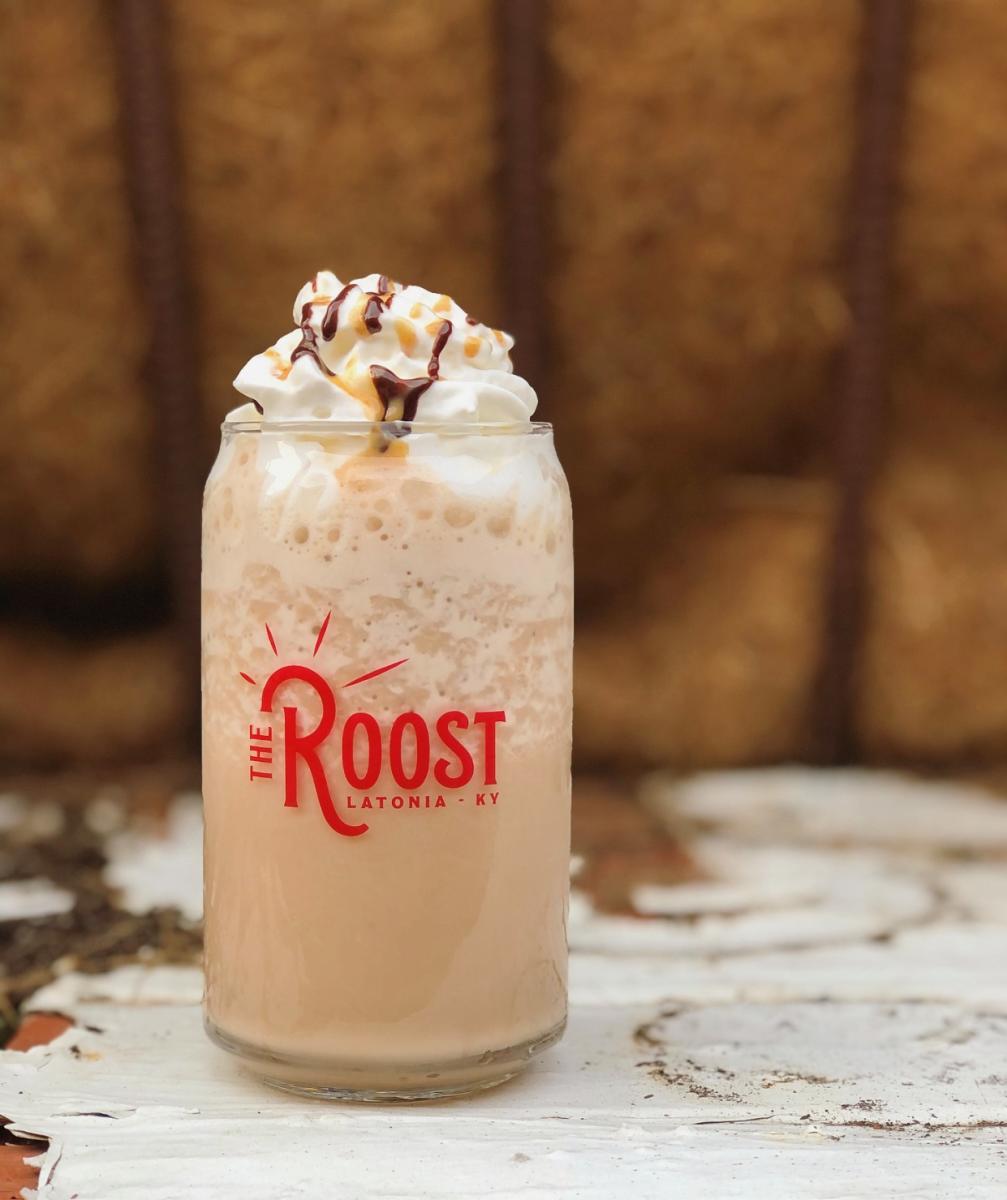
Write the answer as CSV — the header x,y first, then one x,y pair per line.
x,y
387,643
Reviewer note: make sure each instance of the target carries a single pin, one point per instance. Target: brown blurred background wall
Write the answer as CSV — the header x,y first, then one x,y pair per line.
x,y
679,179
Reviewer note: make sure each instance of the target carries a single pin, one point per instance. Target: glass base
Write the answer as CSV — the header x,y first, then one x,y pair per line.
x,y
380,1084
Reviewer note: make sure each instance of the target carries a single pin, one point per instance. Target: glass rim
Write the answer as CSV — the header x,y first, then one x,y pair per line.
x,y
393,428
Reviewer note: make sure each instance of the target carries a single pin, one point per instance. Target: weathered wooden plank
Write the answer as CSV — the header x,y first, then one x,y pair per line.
x,y
618,1109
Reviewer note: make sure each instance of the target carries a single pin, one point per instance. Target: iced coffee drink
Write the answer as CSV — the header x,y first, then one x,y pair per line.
x,y
387,637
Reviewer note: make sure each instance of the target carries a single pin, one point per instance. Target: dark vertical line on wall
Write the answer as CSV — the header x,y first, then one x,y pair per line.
x,y
152,158
521,38
863,377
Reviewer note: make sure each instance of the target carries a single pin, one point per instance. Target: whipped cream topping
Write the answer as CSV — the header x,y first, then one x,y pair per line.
x,y
376,350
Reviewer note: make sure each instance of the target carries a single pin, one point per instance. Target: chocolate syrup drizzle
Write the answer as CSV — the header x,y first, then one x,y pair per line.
x,y
330,321
440,341
373,309
308,345
391,388
376,304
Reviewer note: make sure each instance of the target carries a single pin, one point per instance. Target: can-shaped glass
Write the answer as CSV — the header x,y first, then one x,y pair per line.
x,y
387,644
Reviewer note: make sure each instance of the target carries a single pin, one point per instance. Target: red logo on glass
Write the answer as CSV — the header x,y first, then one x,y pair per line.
x,y
413,749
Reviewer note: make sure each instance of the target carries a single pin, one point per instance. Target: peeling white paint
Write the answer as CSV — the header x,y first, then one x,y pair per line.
x,y
840,1063
162,869
28,899
944,961
688,900
977,890
850,807
796,897
135,984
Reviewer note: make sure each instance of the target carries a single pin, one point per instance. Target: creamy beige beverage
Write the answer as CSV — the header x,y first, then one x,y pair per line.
x,y
387,636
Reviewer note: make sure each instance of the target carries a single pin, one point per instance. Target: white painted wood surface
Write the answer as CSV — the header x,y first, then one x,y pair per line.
x,y
823,1016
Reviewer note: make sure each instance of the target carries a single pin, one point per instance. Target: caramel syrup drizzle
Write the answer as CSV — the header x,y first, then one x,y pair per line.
x,y
399,397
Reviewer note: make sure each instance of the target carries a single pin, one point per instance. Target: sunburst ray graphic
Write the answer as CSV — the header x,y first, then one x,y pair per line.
x,y
321,633
318,645
372,674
